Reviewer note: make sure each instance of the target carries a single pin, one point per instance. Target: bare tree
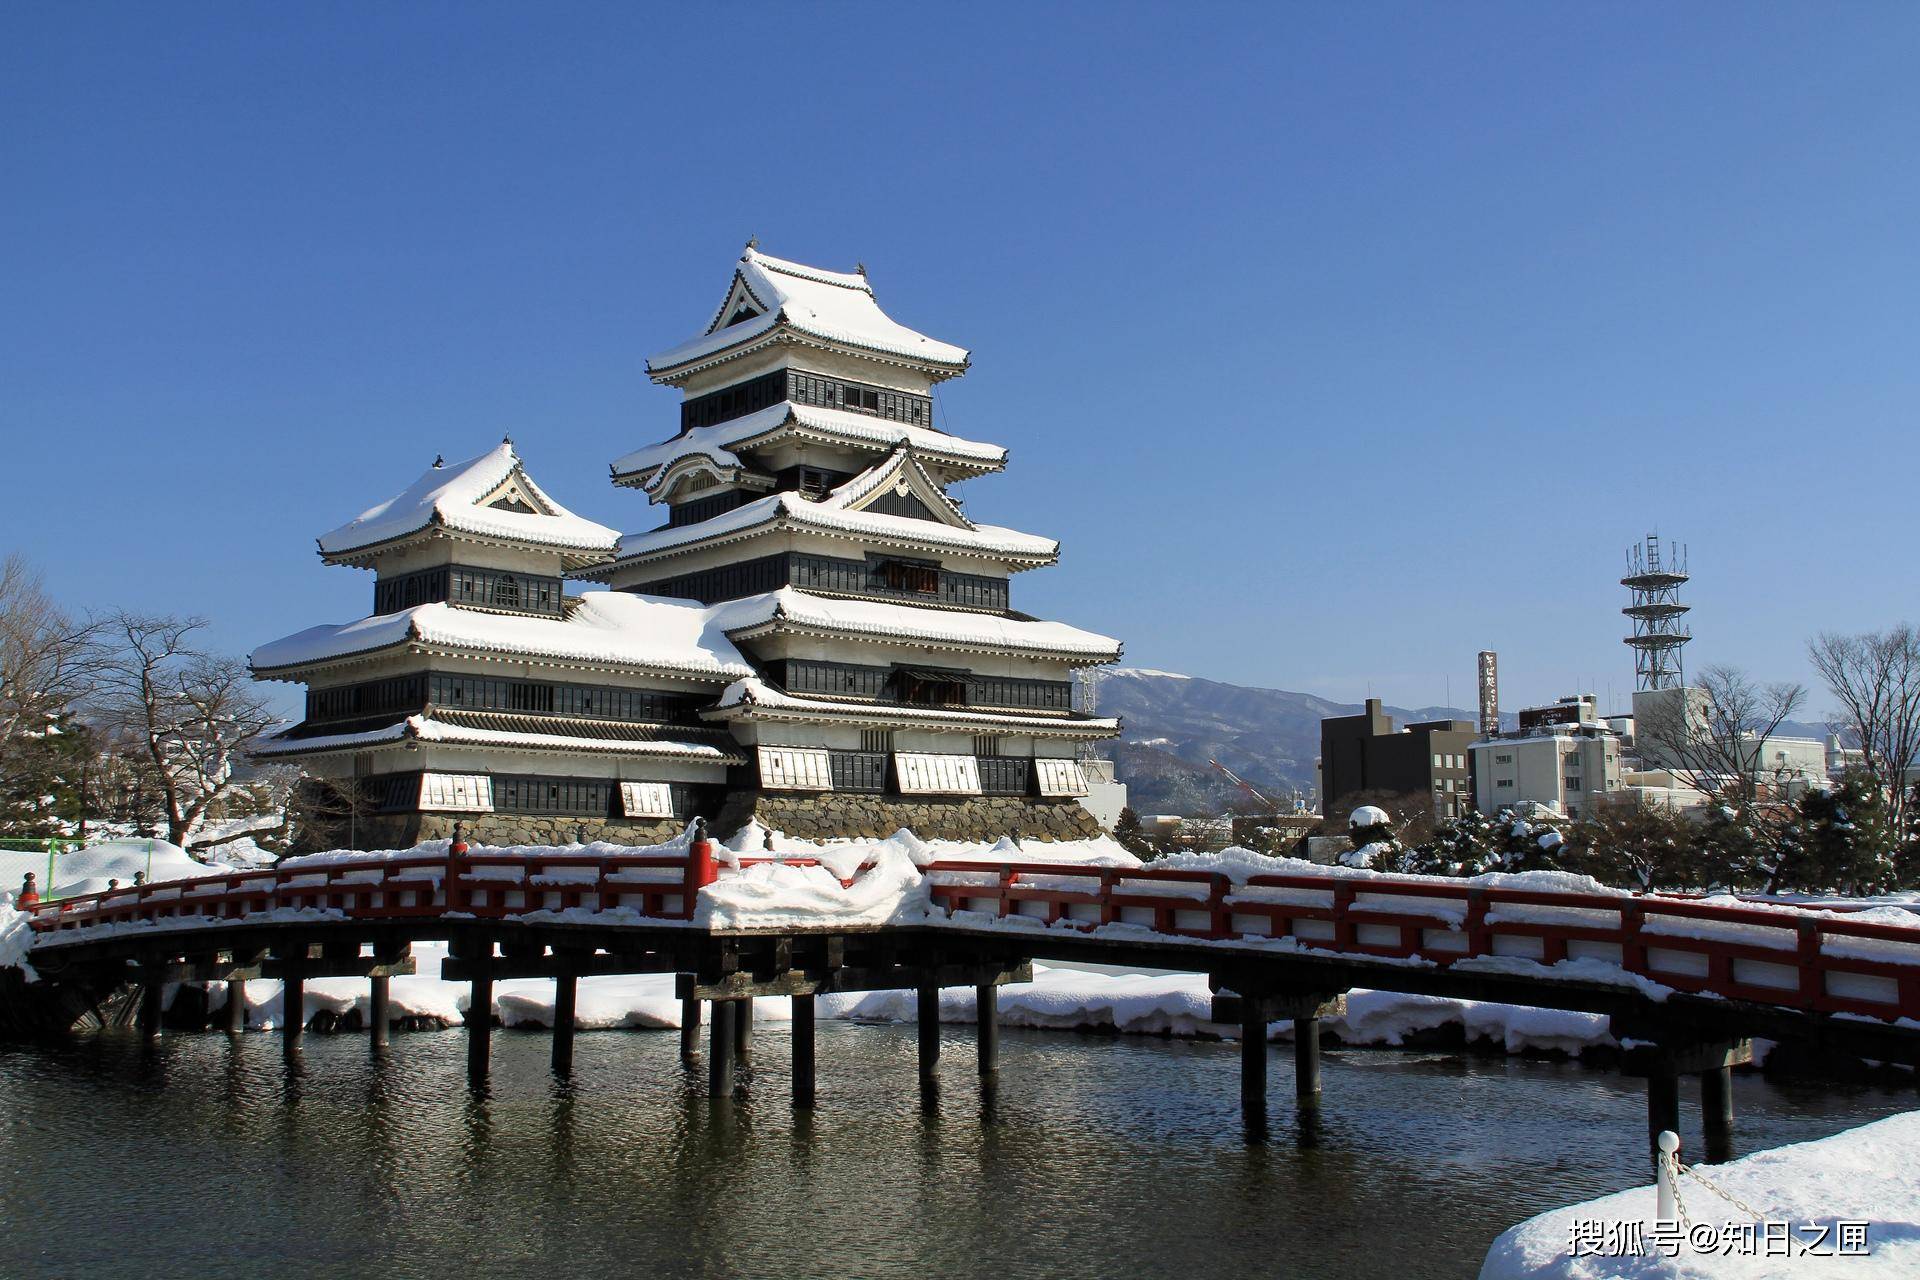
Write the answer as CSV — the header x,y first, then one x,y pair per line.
x,y
187,712
1875,677
1712,733
47,658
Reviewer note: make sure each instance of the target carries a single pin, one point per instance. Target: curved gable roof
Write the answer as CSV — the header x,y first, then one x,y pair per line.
x,y
459,498
831,306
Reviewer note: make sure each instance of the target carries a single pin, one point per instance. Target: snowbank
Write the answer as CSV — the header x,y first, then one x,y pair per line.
x,y
88,870
1864,1174
1061,999
16,937
889,891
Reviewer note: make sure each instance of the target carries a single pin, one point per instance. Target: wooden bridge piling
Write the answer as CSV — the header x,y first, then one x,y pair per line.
x,y
1253,1054
1662,1054
986,999
293,1011
721,1081
1716,1107
236,1010
927,1012
152,993
689,1030
479,1026
803,1050
743,1033
566,999
1306,1059
379,1010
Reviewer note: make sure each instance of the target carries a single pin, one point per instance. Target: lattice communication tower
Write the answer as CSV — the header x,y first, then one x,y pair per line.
x,y
1659,619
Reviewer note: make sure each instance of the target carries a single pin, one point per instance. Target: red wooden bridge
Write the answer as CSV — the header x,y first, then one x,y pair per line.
x,y
1691,981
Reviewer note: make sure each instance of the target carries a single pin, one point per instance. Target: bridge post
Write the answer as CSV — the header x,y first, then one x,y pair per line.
x,y
743,1033
1663,1105
293,1010
479,1026
927,1012
720,1078
1253,1052
1306,1058
986,1000
566,994
379,1005
1716,1106
803,1050
152,993
236,1010
1666,1053
689,1030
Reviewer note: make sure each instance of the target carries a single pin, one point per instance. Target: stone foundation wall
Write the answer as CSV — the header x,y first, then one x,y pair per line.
x,y
934,817
533,828
405,830
806,817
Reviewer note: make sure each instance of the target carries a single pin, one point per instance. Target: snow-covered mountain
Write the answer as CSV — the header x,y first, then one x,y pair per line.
x,y
1173,724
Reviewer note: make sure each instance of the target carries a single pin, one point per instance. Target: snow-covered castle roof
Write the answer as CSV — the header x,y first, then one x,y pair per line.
x,y
490,496
768,294
836,516
793,610
718,443
602,628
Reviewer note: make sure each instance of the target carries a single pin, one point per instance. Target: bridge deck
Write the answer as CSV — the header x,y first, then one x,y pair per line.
x,y
1726,971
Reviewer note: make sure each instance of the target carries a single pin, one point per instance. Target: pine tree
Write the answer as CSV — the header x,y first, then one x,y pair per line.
x,y
1727,852
1128,833
41,795
1376,844
1525,842
1462,846
1844,840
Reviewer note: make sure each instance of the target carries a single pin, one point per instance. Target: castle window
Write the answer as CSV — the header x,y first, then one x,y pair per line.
x,y
911,576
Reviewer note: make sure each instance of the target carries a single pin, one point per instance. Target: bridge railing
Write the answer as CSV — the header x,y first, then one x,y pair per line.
x,y
482,885
1821,961
476,884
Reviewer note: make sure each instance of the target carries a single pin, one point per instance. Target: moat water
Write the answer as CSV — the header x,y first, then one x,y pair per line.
x,y
1098,1156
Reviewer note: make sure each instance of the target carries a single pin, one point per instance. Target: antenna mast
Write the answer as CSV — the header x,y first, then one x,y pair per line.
x,y
1659,619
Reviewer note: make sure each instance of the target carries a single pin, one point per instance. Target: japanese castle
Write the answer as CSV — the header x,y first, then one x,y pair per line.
x,y
817,638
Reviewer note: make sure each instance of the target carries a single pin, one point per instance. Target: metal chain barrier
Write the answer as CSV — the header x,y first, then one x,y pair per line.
x,y
1701,1178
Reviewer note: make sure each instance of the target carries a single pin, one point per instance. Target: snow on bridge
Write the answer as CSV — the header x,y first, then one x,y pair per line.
x,y
1859,961
1684,981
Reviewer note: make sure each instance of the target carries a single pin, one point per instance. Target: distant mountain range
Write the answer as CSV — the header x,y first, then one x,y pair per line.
x,y
1173,724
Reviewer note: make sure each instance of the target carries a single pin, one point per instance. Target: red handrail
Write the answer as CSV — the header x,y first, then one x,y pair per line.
x,y
1818,960
1774,954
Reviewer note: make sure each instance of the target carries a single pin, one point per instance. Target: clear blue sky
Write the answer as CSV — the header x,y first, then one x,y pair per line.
x,y
1336,342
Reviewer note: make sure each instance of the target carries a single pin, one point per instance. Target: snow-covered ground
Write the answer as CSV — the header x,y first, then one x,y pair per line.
x,y
1801,1196
88,870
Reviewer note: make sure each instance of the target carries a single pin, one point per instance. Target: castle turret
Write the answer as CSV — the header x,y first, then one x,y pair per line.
x,y
478,688
807,496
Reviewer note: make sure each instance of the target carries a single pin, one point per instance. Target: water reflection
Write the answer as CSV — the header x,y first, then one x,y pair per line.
x,y
1084,1156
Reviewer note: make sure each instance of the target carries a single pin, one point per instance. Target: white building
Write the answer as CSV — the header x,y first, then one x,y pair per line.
x,y
1563,758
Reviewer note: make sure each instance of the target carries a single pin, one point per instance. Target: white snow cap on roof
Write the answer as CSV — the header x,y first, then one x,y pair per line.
x,y
603,627
456,497
835,514
883,620
1368,815
831,305
716,443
